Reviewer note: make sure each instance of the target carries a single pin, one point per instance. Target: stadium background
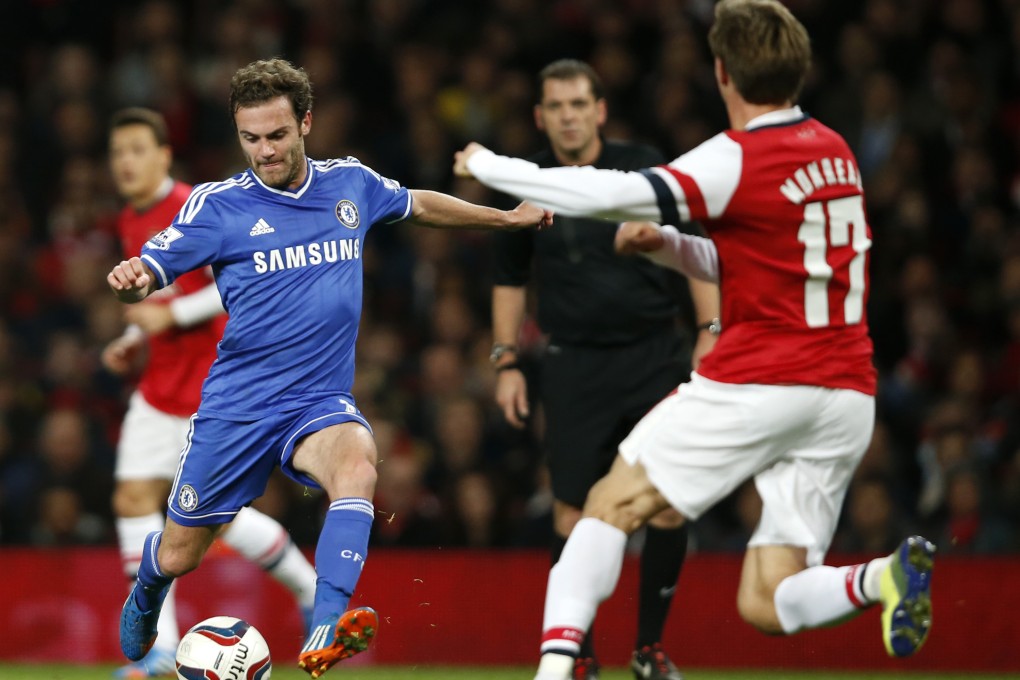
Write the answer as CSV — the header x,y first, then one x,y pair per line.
x,y
925,91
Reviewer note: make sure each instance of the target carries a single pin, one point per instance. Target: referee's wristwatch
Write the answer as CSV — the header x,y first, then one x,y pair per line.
x,y
497,353
714,326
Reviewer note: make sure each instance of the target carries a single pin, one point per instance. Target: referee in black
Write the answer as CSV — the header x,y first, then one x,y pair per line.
x,y
615,347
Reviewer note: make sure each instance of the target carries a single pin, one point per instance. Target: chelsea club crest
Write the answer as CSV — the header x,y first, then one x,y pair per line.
x,y
188,498
347,213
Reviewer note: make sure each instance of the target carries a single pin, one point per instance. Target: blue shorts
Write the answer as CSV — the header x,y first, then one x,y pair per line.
x,y
226,464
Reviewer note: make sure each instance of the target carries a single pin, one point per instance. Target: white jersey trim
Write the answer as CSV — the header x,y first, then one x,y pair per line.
x,y
407,210
198,195
352,162
780,117
715,166
155,266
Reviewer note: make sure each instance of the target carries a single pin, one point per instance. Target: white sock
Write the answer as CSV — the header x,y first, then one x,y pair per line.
x,y
819,596
871,583
131,533
166,626
586,574
261,539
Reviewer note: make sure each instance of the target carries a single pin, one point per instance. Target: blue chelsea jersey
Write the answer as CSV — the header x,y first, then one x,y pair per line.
x,y
288,267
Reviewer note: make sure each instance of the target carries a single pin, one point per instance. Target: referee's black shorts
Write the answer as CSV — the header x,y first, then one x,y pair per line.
x,y
593,395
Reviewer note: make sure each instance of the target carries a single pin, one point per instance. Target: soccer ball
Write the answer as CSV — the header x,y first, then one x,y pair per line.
x,y
223,648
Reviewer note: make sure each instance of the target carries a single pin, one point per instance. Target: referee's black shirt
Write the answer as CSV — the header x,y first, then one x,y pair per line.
x,y
587,294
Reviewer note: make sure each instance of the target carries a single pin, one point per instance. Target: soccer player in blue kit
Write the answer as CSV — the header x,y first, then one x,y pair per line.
x,y
284,239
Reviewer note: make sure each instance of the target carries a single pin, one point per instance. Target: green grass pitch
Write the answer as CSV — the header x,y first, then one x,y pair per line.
x,y
280,672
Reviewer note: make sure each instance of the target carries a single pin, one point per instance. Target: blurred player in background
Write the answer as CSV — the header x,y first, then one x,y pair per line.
x,y
787,394
612,326
172,337
285,239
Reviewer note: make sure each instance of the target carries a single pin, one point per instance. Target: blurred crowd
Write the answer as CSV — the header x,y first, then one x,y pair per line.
x,y
926,91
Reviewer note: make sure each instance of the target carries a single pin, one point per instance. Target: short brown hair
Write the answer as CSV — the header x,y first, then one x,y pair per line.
x,y
139,115
568,69
266,79
765,50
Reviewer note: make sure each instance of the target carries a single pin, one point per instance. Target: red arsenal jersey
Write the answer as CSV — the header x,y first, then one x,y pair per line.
x,y
179,358
782,201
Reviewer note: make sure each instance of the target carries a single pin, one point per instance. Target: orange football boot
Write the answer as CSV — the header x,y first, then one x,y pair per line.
x,y
335,639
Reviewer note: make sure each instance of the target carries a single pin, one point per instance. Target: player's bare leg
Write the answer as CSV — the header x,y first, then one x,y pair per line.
x,y
764,568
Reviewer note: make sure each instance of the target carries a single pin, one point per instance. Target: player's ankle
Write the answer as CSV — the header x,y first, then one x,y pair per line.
x,y
555,665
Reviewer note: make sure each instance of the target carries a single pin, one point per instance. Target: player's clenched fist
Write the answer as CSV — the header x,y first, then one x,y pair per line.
x,y
131,280
638,237
460,159
530,215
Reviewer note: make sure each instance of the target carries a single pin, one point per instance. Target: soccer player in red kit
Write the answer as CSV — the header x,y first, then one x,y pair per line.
x,y
176,336
786,397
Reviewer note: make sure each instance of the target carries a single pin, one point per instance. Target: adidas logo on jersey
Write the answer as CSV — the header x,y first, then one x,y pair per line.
x,y
261,227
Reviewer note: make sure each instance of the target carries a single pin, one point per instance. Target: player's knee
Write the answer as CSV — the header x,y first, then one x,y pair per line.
x,y
608,510
365,473
353,475
621,506
598,503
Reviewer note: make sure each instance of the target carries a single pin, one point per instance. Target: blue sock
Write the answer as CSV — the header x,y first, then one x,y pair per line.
x,y
152,585
340,554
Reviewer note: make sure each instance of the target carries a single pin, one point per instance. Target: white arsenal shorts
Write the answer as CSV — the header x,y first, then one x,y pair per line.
x,y
150,442
800,443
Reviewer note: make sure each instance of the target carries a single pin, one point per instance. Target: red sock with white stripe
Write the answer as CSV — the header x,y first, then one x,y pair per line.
x,y
823,595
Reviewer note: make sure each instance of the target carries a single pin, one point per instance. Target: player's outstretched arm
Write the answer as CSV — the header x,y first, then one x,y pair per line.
x,y
692,256
577,191
442,211
131,280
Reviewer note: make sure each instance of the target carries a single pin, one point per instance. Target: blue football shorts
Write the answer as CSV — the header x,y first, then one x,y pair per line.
x,y
226,464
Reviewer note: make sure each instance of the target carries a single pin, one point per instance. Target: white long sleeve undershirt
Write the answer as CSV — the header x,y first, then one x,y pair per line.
x,y
569,190
693,256
195,308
